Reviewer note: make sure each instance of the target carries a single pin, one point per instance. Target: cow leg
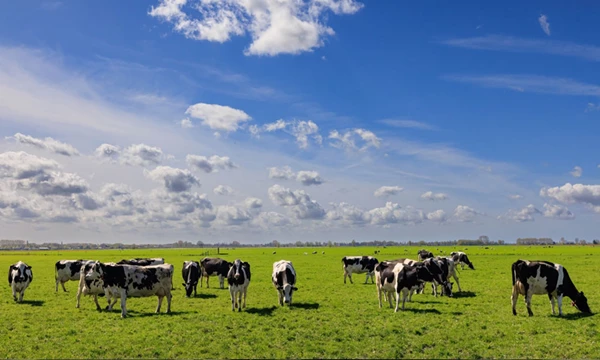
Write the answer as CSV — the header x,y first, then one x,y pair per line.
x,y
169,297
195,289
280,297
367,278
551,298
207,281
398,301
56,289
14,293
379,296
457,282
434,286
232,294
160,300
350,277
404,295
239,296
559,299
513,298
123,303
388,294
95,300
246,291
21,295
221,281
528,302
63,286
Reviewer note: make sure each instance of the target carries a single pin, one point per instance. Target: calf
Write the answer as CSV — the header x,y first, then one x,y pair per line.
x,y
215,266
424,254
359,264
429,271
191,275
19,278
122,281
65,270
461,258
394,277
543,277
284,280
142,261
238,279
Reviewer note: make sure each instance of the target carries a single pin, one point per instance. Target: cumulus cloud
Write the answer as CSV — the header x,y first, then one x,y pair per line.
x,y
575,194
253,203
393,213
276,27
108,152
308,178
560,212
283,173
515,197
223,190
218,117
387,191
21,165
55,183
210,164
48,143
302,130
175,180
186,123
437,216
430,195
304,177
270,219
544,24
140,154
522,215
348,214
465,213
347,140
577,171
300,203
233,215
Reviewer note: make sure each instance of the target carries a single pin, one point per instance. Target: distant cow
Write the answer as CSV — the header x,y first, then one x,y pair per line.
x,y
543,277
424,254
215,266
122,281
359,265
19,278
65,270
284,280
191,275
238,279
142,261
461,258
393,278
429,271
314,252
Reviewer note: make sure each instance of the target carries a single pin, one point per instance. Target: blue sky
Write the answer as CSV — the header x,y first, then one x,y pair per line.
x,y
494,108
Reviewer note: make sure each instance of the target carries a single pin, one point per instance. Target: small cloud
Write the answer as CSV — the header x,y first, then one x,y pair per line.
x,y
478,27
543,20
515,197
210,164
323,58
410,124
218,117
223,190
577,171
387,190
48,144
430,195
592,107
186,123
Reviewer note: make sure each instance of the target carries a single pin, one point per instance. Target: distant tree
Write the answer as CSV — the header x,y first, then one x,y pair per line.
x,y
235,243
199,243
329,243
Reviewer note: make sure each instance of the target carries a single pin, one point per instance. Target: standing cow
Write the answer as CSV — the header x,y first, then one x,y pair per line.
x,y
284,280
122,281
65,270
424,254
142,261
359,265
429,271
461,258
393,278
543,277
90,287
191,275
19,278
215,266
238,279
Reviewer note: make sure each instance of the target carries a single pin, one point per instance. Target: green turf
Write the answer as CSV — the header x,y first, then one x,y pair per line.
x,y
328,320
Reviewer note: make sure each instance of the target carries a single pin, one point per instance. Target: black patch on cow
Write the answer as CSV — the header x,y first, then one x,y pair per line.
x,y
215,266
290,277
191,275
149,278
10,275
114,275
59,265
279,277
241,269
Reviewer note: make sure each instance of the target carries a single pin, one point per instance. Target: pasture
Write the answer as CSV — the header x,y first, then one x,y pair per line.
x,y
328,319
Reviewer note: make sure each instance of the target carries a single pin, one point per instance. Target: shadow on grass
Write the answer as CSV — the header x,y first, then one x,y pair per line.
x,y
464,294
575,316
456,313
161,313
33,302
422,311
206,296
425,301
306,306
266,311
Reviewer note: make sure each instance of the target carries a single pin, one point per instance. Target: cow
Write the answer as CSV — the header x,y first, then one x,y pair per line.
x,y
122,281
65,270
431,271
284,280
393,278
424,254
461,258
543,277
359,265
90,287
215,266
142,261
191,275
448,267
19,278
238,279
314,252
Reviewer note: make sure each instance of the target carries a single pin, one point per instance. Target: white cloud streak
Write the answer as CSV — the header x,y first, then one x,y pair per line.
x,y
48,144
544,24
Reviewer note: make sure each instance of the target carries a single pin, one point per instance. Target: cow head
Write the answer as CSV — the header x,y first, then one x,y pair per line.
x,y
237,270
19,272
288,291
581,303
189,285
95,272
447,288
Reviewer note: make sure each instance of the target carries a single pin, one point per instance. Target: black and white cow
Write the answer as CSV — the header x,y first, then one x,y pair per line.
x,y
65,270
90,287
19,278
393,278
461,258
284,280
431,271
424,254
543,277
449,270
359,265
215,266
191,275
238,279
122,281
142,261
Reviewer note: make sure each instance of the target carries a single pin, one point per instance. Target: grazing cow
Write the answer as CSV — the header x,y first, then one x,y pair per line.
x,y
429,271
323,252
284,280
65,270
142,261
543,277
122,281
238,279
274,252
461,258
215,266
191,275
19,278
448,267
359,265
393,278
424,254
314,252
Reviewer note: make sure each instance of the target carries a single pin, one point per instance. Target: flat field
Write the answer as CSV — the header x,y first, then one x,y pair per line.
x,y
328,319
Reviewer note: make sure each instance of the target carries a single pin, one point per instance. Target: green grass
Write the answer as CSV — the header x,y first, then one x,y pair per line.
x,y
329,319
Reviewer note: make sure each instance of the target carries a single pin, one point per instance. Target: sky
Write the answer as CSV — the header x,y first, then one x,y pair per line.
x,y
298,120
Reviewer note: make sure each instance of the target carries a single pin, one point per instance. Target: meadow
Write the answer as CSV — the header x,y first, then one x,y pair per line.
x,y
327,320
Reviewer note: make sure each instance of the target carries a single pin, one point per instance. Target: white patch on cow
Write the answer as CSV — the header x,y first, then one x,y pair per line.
x,y
237,291
66,274
286,291
388,289
20,276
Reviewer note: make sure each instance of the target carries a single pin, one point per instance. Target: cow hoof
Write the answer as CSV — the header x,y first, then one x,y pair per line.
x,y
514,312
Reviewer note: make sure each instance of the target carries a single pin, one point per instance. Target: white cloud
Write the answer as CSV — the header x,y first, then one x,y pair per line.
x,y
186,123
575,194
430,195
346,140
276,27
409,124
210,164
515,197
218,117
300,129
465,213
522,215
233,215
284,173
253,203
142,155
545,25
558,212
393,213
175,180
223,190
577,171
308,178
592,107
348,214
437,216
387,191
21,165
108,152
300,203
48,143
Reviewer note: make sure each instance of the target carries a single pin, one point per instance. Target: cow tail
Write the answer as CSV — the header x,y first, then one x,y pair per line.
x,y
514,273
56,270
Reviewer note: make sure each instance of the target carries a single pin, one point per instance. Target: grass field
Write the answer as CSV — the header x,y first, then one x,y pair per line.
x,y
328,320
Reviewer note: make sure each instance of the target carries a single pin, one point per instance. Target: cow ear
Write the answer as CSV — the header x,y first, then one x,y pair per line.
x,y
183,284
294,288
279,287
581,293
246,264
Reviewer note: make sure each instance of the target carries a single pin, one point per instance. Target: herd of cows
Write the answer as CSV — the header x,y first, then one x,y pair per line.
x,y
143,277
